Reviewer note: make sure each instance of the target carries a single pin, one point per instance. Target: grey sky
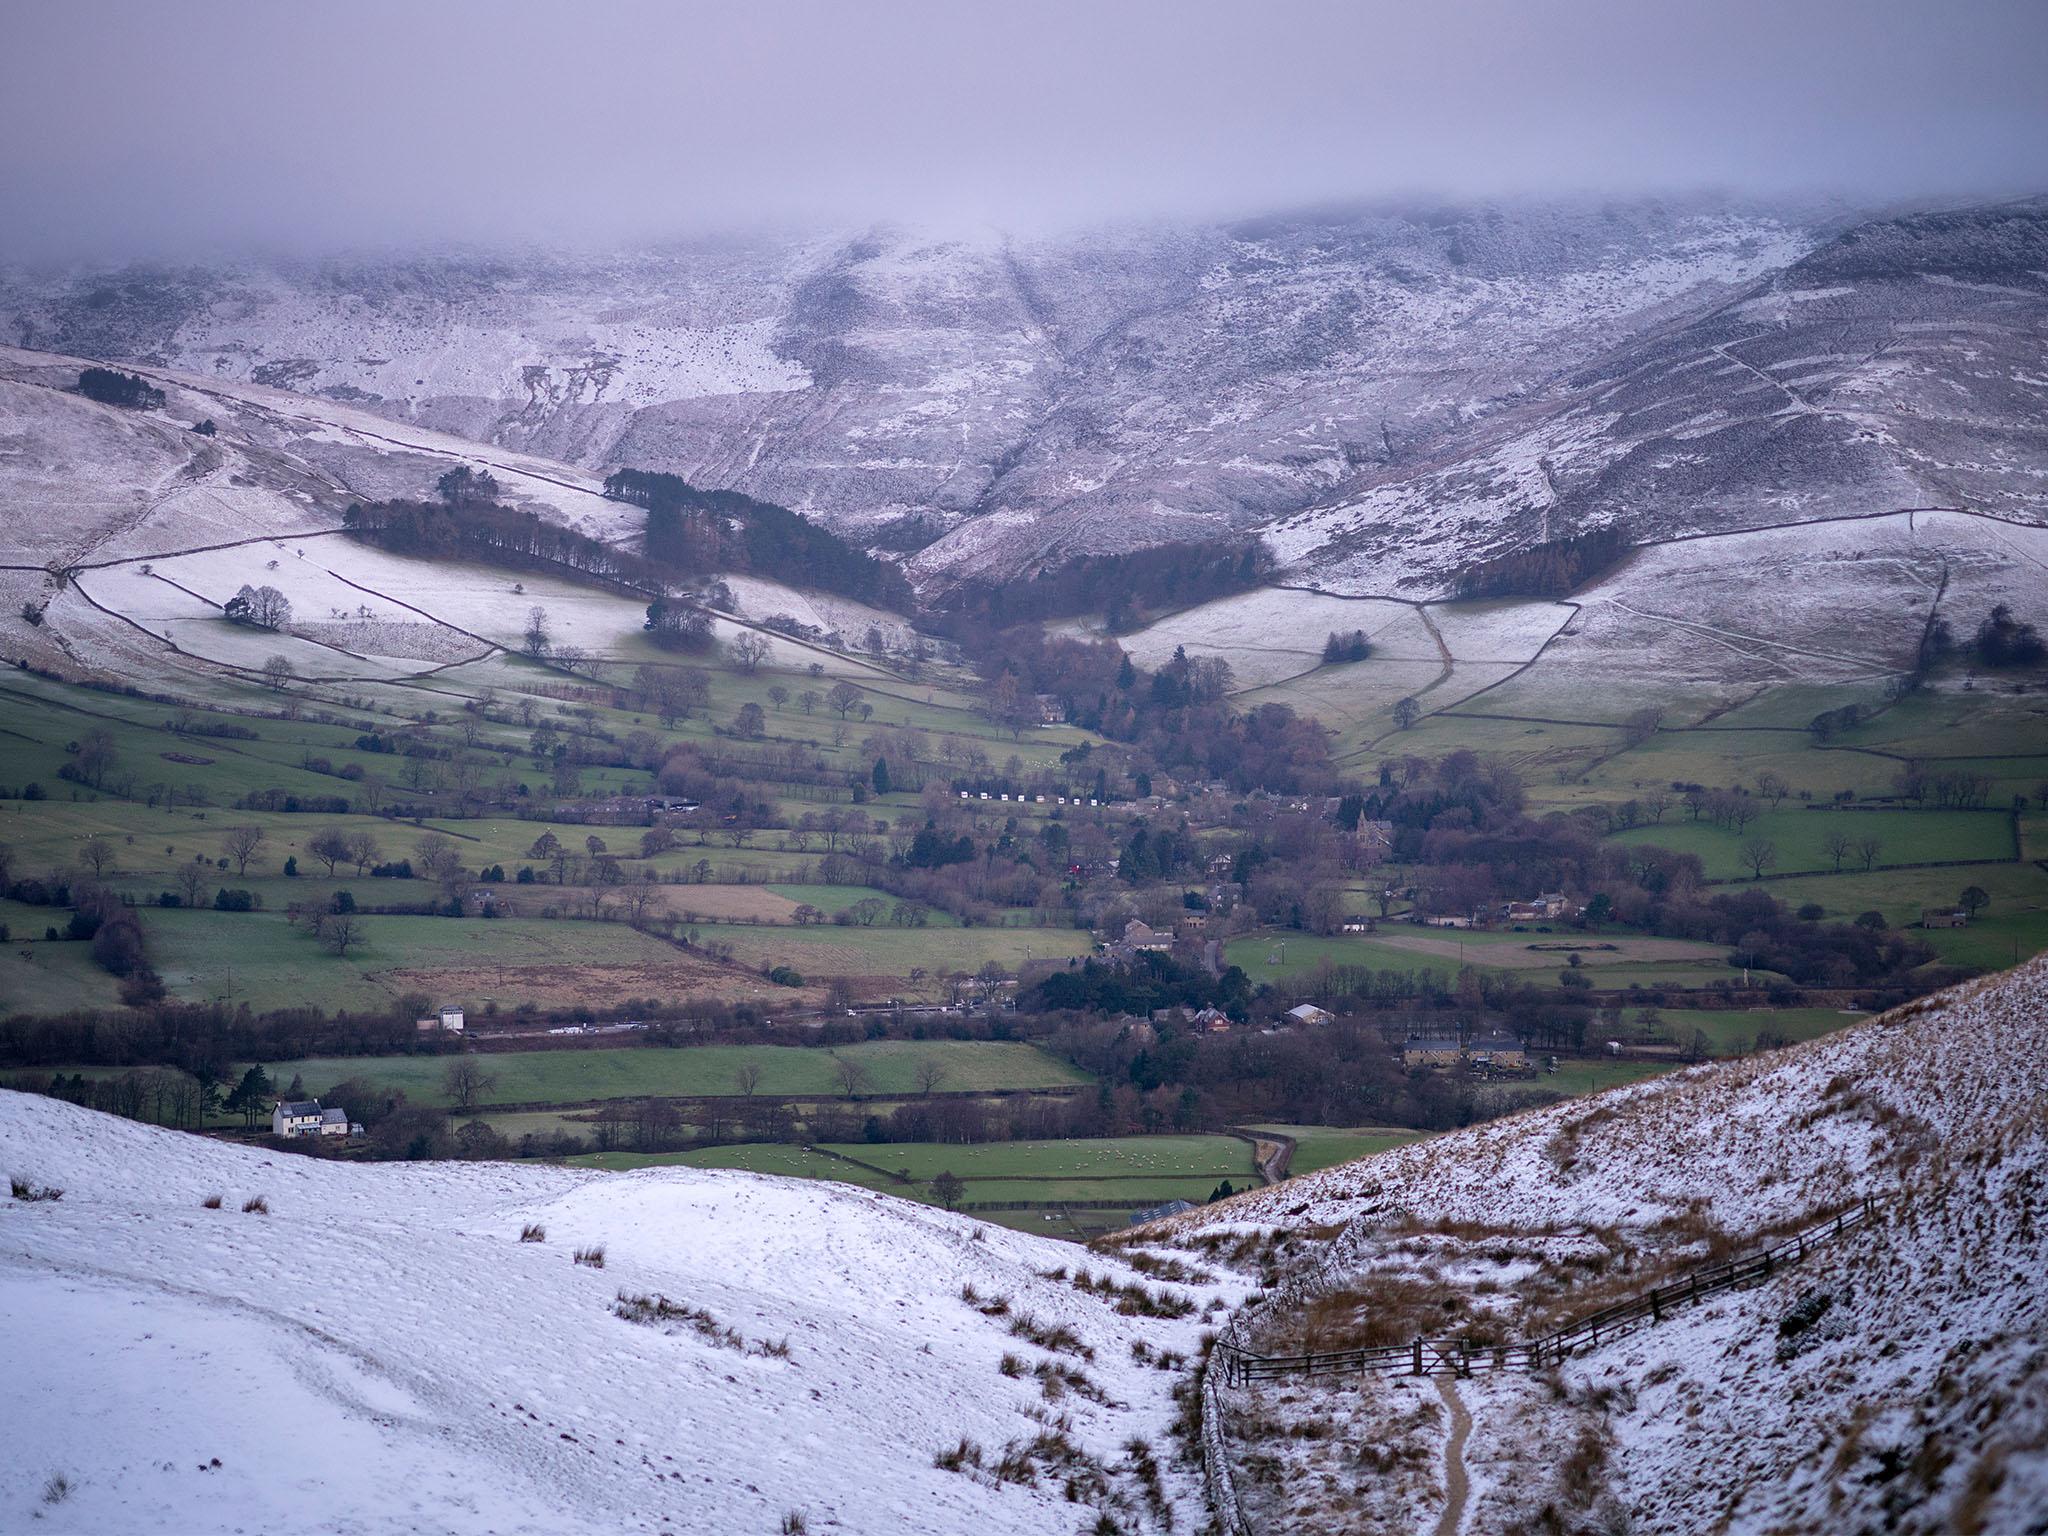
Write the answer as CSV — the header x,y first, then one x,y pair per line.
x,y
152,128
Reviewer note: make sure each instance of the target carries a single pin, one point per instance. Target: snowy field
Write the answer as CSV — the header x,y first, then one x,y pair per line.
x,y
381,1353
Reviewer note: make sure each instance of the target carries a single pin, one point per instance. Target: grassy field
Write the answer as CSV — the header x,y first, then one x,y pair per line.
x,y
1733,1031
1133,1171
2012,927
1908,837
259,957
1440,953
575,1076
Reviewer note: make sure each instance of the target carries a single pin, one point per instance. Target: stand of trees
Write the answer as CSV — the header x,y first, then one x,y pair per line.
x,y
1129,588
697,532
496,535
1550,569
124,389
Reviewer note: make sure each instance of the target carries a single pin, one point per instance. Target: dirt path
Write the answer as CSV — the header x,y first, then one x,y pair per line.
x,y
1456,1485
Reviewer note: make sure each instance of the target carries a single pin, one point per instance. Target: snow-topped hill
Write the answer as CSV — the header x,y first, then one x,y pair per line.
x,y
381,1352
1095,391
1897,1381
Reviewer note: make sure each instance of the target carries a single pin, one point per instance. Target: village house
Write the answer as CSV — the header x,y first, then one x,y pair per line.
x,y
1140,937
1431,1051
1498,1052
1051,709
1309,1016
306,1117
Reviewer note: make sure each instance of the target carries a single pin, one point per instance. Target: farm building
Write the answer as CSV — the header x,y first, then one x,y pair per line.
x,y
449,1019
295,1117
1431,1051
1309,1015
1143,936
1502,1053
1944,917
307,1117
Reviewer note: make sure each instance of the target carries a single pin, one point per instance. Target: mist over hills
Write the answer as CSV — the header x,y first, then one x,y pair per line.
x,y
1017,400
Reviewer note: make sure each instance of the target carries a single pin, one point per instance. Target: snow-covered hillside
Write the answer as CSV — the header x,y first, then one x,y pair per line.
x,y
1896,1381
380,1352
1902,364
1090,391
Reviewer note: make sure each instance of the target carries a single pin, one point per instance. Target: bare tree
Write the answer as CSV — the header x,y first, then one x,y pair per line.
x,y
843,697
534,640
341,932
1759,854
465,1082
852,1076
362,850
748,1077
277,671
930,1073
191,880
948,1187
436,857
1867,850
241,845
749,650
330,846
97,855
1406,713
97,756
1837,846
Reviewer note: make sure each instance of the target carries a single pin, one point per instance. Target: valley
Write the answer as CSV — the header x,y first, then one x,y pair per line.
x,y
1091,809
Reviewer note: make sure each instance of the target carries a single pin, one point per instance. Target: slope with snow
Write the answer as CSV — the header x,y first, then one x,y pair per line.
x,y
380,1352
1090,391
1896,1381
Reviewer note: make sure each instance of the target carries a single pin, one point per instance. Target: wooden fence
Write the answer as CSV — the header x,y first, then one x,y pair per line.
x,y
1428,1357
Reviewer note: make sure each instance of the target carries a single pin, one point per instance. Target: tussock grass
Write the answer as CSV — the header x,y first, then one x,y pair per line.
x,y
1057,1337
256,1205
533,1232
212,1202
676,1316
594,1257
23,1189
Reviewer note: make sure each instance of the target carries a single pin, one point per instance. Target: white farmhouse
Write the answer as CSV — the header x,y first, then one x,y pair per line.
x,y
295,1117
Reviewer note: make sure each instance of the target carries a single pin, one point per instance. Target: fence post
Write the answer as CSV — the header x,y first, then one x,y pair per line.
x,y
1418,1354
1656,1315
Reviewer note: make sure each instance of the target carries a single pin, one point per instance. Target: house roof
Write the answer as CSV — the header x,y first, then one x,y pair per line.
x,y
1306,1010
334,1115
1497,1043
299,1106
1431,1043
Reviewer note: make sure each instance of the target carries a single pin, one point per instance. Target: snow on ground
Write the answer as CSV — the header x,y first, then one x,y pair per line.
x,y
380,1352
1895,1381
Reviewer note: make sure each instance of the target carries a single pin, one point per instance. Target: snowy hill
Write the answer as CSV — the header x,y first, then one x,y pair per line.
x,y
381,1352
1895,1381
1900,365
1092,391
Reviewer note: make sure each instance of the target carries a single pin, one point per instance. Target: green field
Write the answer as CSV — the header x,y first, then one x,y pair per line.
x,y
576,1076
2012,927
1133,1171
1908,837
260,957
1733,1031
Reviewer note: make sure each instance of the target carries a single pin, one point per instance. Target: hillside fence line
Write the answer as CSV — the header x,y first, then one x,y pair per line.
x,y
1232,1364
